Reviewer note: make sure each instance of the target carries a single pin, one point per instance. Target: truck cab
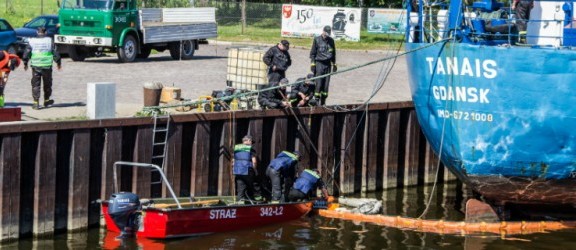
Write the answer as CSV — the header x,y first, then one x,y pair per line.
x,y
88,27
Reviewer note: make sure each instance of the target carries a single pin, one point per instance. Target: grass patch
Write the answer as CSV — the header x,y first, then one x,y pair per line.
x,y
18,12
258,30
258,34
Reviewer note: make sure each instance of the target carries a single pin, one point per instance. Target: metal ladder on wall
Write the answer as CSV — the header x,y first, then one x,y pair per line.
x,y
159,144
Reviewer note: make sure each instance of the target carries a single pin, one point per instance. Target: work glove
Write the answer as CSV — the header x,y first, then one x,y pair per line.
x,y
334,68
313,68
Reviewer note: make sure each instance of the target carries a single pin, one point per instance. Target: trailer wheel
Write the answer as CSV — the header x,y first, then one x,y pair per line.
x,y
182,50
144,52
76,53
128,52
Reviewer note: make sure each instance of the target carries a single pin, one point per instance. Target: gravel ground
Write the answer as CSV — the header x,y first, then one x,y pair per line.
x,y
197,77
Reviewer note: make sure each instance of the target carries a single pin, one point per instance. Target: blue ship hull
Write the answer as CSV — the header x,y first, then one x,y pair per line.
x,y
502,118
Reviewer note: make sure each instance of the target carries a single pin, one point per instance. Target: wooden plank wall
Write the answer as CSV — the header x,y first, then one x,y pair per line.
x,y
52,172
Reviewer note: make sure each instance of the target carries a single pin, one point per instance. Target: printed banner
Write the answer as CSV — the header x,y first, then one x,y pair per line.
x,y
308,21
388,21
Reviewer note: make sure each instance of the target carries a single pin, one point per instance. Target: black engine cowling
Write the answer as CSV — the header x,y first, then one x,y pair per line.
x,y
123,209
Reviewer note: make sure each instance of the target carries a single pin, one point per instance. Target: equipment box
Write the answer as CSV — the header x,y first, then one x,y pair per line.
x,y
10,114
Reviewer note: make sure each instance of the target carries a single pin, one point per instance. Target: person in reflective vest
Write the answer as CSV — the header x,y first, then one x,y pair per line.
x,y
8,62
40,52
244,169
281,172
305,186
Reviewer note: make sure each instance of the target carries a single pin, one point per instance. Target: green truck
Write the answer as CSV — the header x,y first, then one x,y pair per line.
x,y
92,27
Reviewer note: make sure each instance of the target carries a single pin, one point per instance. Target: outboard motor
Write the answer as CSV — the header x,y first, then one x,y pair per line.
x,y
123,208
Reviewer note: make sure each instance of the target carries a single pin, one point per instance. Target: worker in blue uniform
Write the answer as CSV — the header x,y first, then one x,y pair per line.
x,y
305,186
282,171
244,169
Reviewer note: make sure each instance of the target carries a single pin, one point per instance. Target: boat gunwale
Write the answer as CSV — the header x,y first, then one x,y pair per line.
x,y
184,208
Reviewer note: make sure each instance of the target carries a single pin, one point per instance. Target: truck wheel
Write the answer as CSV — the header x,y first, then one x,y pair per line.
x,y
76,53
182,50
128,52
144,52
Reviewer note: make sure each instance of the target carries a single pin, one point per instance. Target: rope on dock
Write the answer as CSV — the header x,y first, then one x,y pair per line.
x,y
255,92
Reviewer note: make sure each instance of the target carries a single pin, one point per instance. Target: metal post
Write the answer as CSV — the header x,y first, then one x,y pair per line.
x,y
243,7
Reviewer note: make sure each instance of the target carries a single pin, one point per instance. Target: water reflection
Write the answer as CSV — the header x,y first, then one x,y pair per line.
x,y
324,233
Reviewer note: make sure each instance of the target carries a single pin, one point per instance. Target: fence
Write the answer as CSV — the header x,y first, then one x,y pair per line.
x,y
263,15
51,172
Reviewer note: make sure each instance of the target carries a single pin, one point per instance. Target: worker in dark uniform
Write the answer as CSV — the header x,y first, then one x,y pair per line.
x,y
244,169
278,60
323,57
274,98
281,172
8,62
40,52
305,186
302,94
522,9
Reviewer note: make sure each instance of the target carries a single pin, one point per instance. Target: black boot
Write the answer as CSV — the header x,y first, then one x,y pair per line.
x,y
48,103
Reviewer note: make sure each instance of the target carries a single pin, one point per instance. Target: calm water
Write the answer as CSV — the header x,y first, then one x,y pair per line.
x,y
321,233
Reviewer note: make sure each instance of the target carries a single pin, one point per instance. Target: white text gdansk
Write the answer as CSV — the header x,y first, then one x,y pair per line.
x,y
455,66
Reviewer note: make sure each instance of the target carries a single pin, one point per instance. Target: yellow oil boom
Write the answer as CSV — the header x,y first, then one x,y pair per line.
x,y
451,227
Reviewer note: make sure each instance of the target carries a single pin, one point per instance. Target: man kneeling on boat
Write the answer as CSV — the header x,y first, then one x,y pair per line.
x,y
305,186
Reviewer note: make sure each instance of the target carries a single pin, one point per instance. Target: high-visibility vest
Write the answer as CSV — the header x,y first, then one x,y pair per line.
x,y
242,159
306,181
41,52
284,160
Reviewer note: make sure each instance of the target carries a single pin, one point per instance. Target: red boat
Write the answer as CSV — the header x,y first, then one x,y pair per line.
x,y
179,217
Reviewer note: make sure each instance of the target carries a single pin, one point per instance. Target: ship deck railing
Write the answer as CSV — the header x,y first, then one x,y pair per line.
x,y
482,27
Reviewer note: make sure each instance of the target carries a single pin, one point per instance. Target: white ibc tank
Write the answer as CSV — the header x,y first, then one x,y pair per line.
x,y
246,70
